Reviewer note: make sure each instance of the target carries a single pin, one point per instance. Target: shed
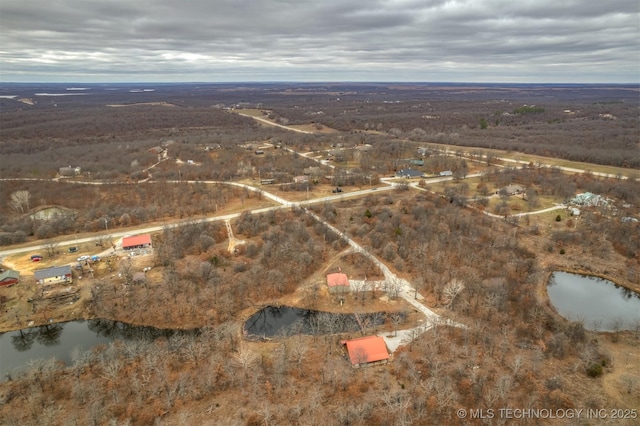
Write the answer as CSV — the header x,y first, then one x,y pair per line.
x,y
338,282
53,275
367,351
136,241
9,277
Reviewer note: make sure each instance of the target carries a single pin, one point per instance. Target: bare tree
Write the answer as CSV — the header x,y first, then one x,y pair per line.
x,y
20,200
451,291
245,358
51,247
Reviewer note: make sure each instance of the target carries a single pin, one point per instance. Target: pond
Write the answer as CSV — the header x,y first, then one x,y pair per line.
x,y
600,304
284,321
18,348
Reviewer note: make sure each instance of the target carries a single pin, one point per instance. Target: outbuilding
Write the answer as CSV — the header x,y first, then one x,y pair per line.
x,y
136,242
9,277
367,351
338,282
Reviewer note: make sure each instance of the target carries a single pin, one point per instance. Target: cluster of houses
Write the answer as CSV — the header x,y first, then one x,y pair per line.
x,y
63,274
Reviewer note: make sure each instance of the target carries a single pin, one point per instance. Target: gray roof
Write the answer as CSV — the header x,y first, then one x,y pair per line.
x,y
54,271
9,274
408,173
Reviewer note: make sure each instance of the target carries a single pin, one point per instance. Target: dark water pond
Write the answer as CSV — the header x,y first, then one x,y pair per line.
x,y
600,304
284,321
18,348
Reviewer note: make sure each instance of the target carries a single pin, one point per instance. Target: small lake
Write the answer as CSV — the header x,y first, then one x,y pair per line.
x,y
598,303
18,348
285,321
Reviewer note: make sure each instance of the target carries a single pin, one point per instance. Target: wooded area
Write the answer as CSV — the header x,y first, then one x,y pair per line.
x,y
485,273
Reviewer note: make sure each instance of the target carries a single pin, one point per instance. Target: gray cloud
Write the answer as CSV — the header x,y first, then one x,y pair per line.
x,y
383,40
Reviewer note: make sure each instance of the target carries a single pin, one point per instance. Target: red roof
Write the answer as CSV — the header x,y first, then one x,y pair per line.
x,y
337,279
136,240
367,349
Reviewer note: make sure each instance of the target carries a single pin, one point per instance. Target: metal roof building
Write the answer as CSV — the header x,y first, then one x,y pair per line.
x,y
367,351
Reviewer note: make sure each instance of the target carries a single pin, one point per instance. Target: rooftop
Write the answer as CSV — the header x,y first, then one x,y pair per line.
x,y
366,349
337,279
136,240
54,271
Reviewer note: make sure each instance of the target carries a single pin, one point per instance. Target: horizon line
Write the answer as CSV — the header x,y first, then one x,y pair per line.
x,y
326,82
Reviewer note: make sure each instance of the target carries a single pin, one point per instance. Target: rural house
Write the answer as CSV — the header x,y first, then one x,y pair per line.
x,y
511,189
338,282
9,277
54,275
589,199
408,173
69,171
366,351
136,242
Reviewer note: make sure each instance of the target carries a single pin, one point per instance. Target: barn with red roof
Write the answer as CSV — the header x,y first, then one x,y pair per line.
x,y
338,282
136,242
366,351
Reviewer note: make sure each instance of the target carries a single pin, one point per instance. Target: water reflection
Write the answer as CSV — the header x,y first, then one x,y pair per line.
x,y
284,321
49,335
24,339
61,340
601,304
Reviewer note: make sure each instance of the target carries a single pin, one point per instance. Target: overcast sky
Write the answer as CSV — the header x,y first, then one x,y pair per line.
x,y
528,41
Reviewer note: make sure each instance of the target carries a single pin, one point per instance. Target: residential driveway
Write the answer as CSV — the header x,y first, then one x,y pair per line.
x,y
404,290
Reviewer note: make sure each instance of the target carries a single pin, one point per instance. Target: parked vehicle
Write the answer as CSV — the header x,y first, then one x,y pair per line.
x,y
36,258
335,191
73,249
82,258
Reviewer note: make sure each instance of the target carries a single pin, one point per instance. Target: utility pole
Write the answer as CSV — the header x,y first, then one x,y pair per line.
x,y
106,227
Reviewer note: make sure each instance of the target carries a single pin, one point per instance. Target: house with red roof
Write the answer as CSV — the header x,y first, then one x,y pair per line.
x,y
136,242
338,282
366,351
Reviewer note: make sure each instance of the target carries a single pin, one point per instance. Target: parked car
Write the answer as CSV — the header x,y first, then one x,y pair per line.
x,y
82,258
73,249
36,258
